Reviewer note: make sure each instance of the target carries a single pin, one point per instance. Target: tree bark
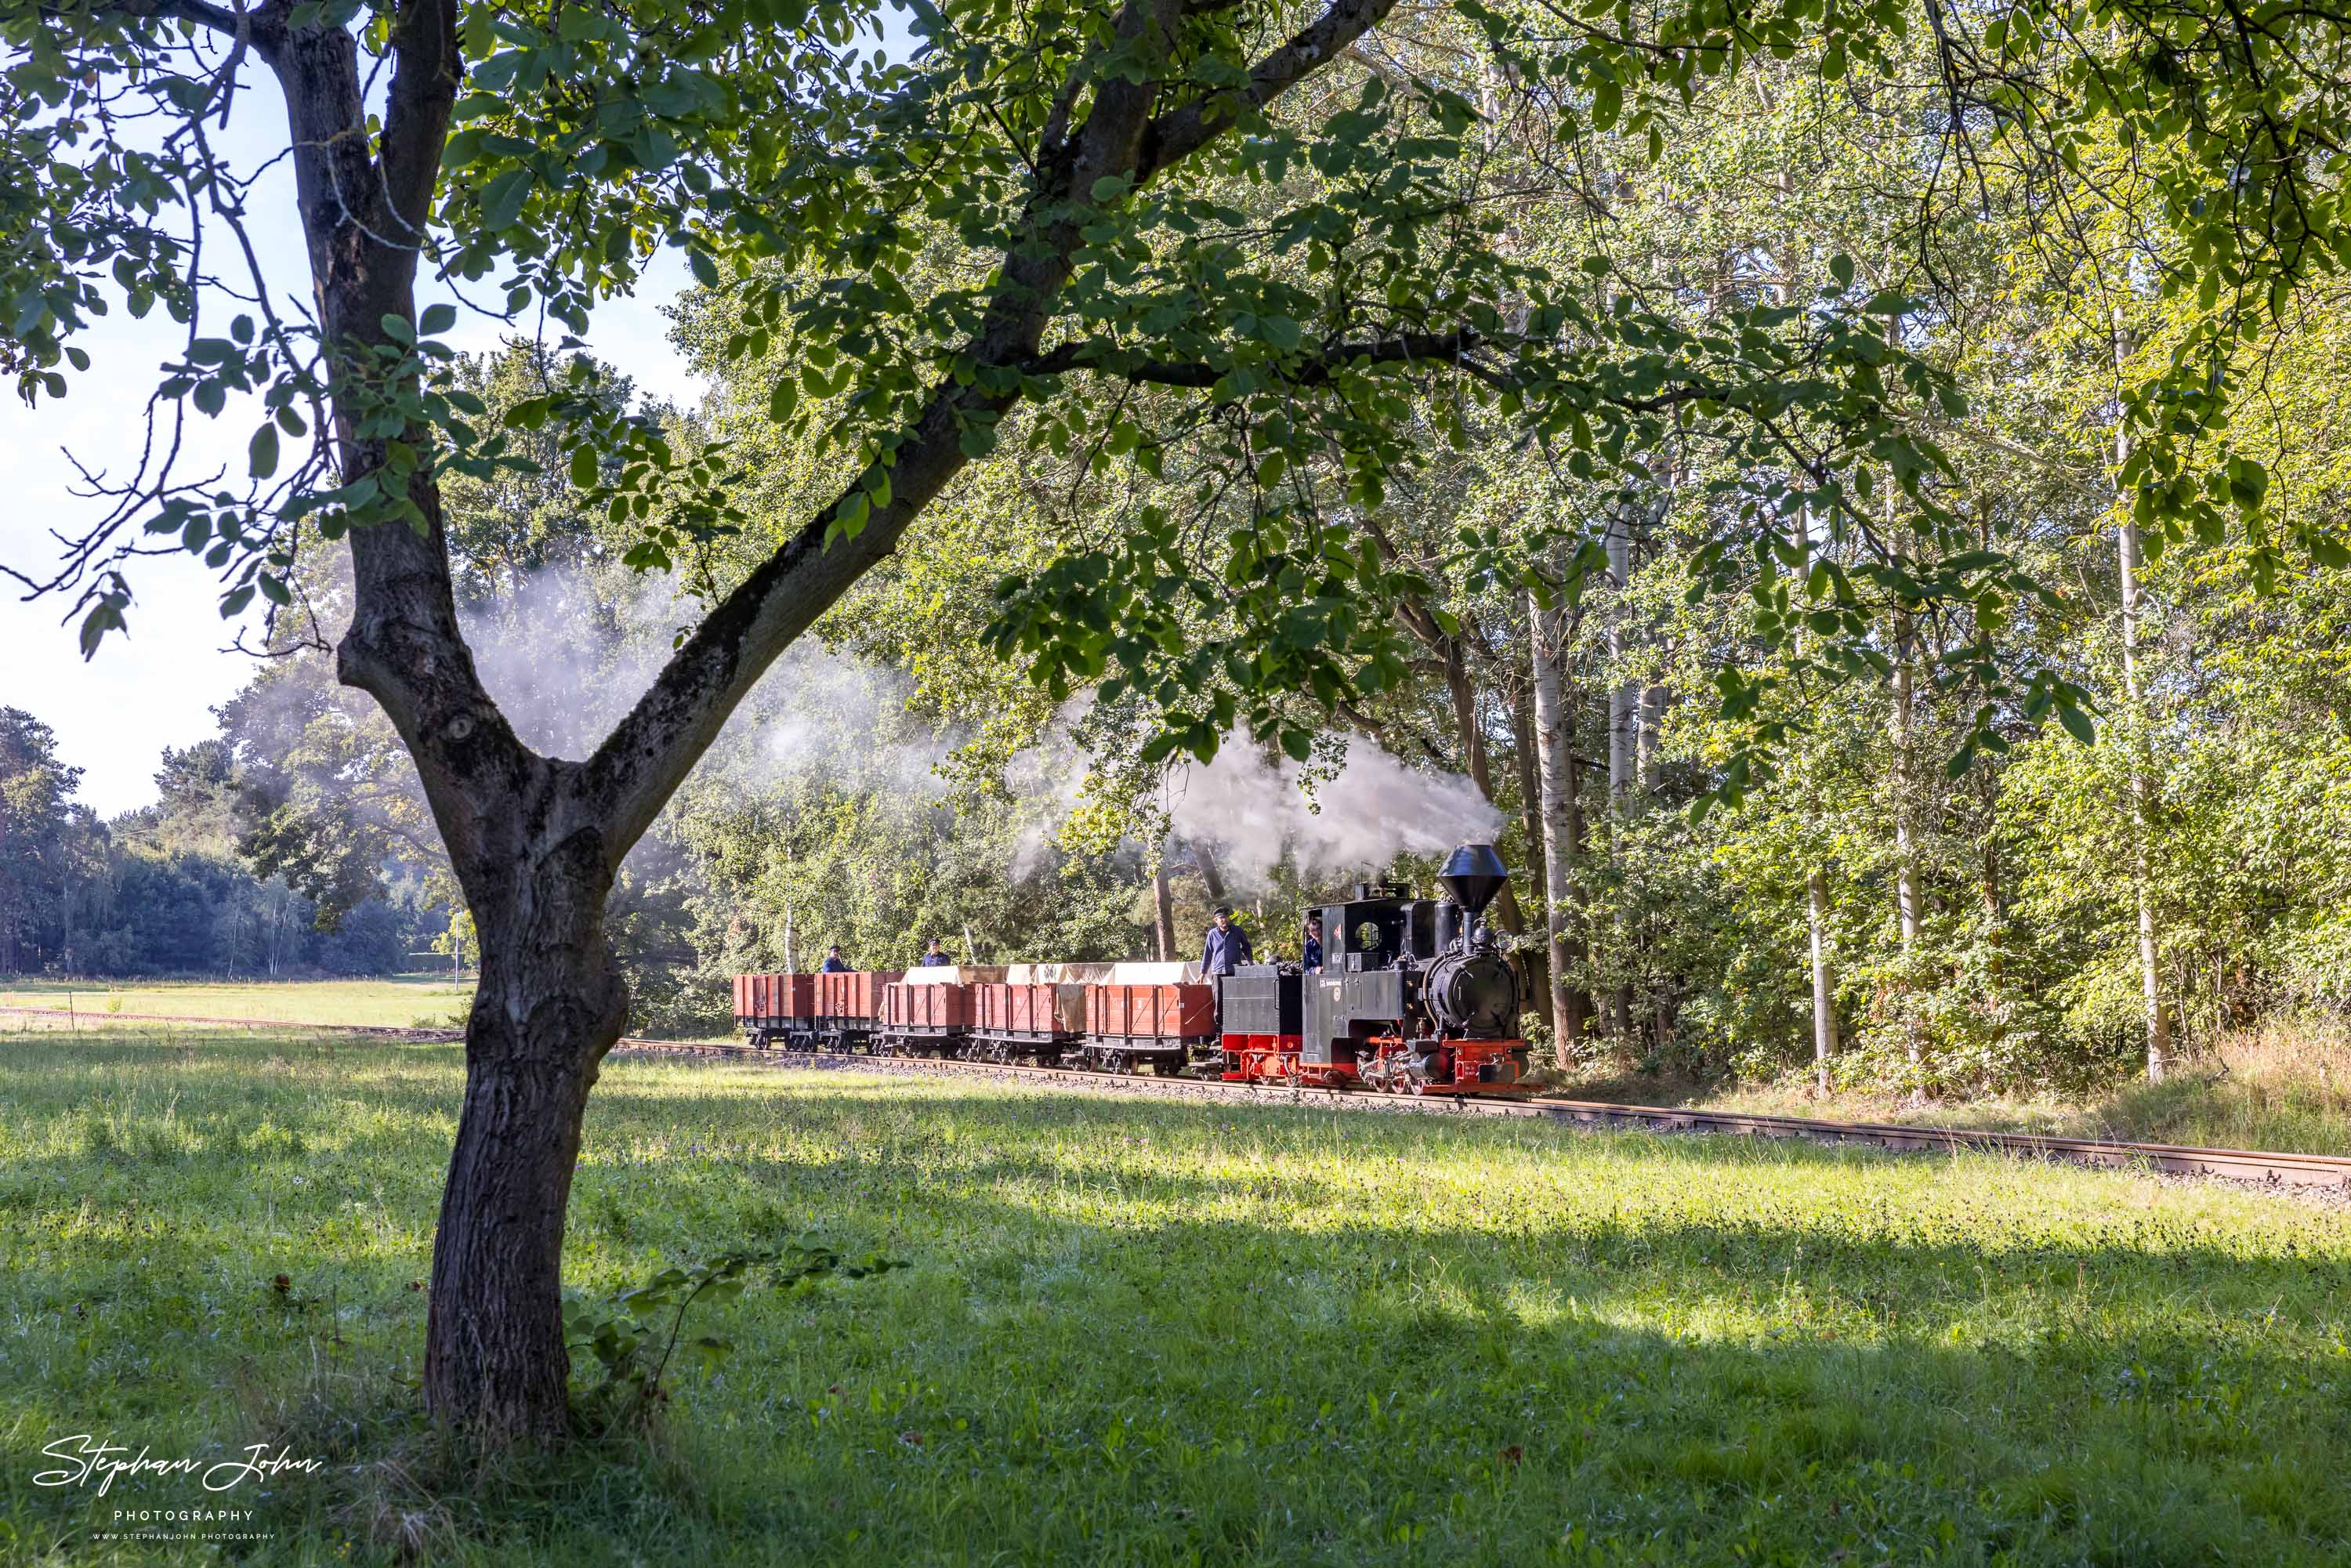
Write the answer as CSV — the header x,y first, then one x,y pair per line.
x,y
1624,719
549,1005
1536,969
1563,820
2158,1022
1211,878
1906,849
1163,910
1824,1026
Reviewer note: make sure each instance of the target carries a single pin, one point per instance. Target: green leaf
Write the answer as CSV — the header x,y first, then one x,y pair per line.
x,y
437,320
705,270
262,452
584,466
502,202
2077,724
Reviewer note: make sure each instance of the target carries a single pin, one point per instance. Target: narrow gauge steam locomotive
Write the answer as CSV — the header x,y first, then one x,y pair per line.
x,y
1413,997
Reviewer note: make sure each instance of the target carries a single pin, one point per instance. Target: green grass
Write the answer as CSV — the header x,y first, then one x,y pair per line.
x,y
409,1001
2286,1086
1150,1333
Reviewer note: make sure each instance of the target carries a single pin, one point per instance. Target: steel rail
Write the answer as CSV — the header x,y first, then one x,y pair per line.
x,y
2268,1167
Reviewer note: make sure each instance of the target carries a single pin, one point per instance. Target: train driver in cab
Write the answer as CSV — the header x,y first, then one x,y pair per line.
x,y
933,956
1228,949
833,964
1313,951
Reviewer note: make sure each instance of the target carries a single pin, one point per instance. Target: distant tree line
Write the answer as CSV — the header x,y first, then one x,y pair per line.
x,y
174,888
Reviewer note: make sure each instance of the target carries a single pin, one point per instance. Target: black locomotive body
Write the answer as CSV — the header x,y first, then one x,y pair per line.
x,y
1414,996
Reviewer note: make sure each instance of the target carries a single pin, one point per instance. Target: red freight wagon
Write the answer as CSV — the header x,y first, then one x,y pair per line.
x,y
852,995
1128,1026
769,1008
1170,1013
926,1008
849,1006
1012,1022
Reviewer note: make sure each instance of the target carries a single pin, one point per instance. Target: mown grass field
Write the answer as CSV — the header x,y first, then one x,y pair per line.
x,y
409,1001
1135,1331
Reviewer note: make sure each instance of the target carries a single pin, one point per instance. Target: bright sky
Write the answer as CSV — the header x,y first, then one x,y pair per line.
x,y
114,715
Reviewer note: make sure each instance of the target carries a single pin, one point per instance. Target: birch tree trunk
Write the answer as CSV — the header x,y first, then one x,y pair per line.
x,y
2130,565
1623,720
1824,1026
1562,818
1905,849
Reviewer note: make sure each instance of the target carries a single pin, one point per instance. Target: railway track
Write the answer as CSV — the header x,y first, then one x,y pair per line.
x,y
2324,1172
2268,1168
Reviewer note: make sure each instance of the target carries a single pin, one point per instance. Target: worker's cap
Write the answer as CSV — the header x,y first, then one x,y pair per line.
x,y
1225,909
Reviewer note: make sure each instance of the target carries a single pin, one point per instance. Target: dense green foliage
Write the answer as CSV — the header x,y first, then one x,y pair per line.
x,y
1145,1332
170,889
1858,329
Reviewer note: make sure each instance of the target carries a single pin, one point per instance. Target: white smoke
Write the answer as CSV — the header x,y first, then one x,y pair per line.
x,y
571,649
1375,808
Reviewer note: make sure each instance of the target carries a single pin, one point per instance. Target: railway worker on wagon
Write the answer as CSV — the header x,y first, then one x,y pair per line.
x,y
1313,954
833,964
1228,949
935,956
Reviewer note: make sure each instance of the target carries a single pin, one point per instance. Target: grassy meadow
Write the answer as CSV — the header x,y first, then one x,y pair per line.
x,y
407,1001
2283,1086
1138,1332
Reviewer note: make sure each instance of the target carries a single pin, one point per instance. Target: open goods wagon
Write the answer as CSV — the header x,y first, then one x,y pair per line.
x,y
776,1009
1025,1021
1158,1026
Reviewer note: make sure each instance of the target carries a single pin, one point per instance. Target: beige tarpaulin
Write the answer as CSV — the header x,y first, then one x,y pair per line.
x,y
954,974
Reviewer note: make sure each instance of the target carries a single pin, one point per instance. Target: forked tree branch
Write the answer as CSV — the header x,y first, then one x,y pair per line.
x,y
649,754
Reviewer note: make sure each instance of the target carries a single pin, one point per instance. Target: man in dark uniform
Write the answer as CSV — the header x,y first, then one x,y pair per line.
x,y
1228,949
1313,965
833,964
937,956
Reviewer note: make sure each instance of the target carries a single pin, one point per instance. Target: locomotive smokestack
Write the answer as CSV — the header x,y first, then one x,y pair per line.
x,y
1473,874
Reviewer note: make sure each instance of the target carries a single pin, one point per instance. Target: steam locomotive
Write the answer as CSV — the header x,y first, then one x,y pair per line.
x,y
1413,997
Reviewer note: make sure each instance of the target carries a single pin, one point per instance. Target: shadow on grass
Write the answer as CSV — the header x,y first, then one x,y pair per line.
x,y
1687,1349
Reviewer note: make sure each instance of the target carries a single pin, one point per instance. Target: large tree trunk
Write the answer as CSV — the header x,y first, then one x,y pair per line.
x,y
1205,860
548,1004
1563,820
